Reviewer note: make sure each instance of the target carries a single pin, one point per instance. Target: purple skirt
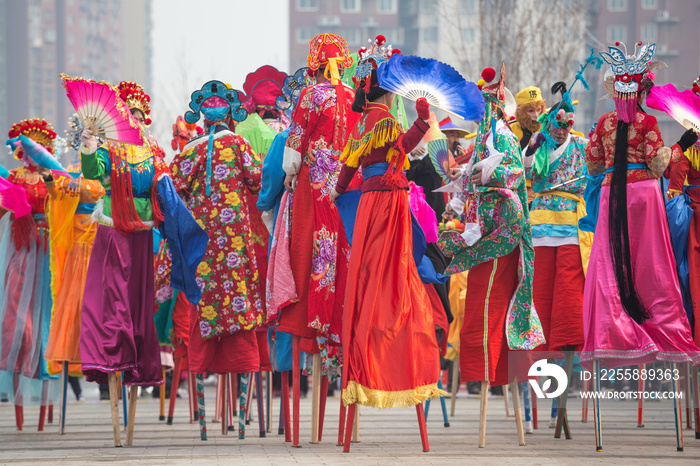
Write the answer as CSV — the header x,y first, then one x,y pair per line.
x,y
118,332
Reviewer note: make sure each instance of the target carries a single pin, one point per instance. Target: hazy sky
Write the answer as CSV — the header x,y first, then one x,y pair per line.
x,y
197,41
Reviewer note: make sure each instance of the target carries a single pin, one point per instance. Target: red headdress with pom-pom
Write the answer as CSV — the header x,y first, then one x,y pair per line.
x,y
133,95
37,129
262,87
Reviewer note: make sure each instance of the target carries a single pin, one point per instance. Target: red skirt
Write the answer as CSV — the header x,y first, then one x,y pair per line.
x,y
483,345
294,319
391,356
558,295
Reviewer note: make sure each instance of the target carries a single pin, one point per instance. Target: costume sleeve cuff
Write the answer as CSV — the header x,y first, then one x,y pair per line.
x,y
291,162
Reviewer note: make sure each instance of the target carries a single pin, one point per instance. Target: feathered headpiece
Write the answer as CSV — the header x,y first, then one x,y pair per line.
x,y
37,129
133,95
629,71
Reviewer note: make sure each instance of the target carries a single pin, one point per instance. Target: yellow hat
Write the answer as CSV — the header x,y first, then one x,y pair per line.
x,y
528,95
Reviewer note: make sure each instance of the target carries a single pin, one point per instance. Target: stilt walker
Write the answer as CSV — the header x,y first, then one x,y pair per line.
x,y
25,275
632,306
317,262
372,328
212,172
499,283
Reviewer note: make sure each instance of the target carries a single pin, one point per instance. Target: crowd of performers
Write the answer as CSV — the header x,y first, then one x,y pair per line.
x,y
313,213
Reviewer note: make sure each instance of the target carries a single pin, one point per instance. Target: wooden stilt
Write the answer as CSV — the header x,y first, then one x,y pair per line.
x,y
696,400
224,404
356,426
596,408
686,395
505,399
64,393
44,403
125,408
527,408
341,424
422,428
199,378
133,396
285,407
322,406
193,407
482,413
349,427
249,395
562,420
243,408
19,415
534,412
455,385
261,403
114,406
640,403
177,371
584,402
677,409
161,392
191,396
517,412
19,409
296,369
268,400
315,396
49,414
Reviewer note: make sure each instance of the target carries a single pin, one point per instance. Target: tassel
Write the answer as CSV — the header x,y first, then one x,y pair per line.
x,y
23,230
126,219
161,168
397,159
693,154
626,106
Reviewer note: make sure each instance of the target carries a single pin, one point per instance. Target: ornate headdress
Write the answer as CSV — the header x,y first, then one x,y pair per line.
x,y
291,90
133,95
220,100
325,47
696,86
629,71
37,129
370,59
262,87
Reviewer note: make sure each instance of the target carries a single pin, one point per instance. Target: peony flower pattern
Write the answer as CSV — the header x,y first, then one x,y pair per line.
x,y
228,275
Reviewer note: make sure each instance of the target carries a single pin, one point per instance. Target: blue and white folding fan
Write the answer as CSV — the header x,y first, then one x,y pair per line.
x,y
443,87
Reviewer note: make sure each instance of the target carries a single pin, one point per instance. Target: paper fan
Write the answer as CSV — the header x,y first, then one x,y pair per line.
x,y
14,198
443,87
684,107
39,155
440,157
101,109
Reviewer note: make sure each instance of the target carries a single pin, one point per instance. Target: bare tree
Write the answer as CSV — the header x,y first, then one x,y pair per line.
x,y
540,41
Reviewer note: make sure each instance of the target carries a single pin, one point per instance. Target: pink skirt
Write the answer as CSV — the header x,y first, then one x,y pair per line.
x,y
611,336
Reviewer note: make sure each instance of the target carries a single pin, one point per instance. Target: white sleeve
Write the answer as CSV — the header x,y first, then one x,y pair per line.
x,y
292,161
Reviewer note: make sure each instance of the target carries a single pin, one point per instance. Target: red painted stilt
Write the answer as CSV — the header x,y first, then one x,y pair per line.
x,y
177,371
348,427
341,425
422,428
285,407
296,369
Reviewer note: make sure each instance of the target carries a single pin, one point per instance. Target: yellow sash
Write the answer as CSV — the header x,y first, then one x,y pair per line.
x,y
585,238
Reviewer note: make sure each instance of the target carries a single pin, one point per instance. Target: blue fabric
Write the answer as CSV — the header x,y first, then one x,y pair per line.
x,y
376,169
186,239
282,352
427,273
680,215
210,152
592,196
84,208
157,238
559,231
3,172
347,204
273,177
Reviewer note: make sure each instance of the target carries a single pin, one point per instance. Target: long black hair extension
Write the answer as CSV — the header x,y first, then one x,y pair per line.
x,y
618,230
361,98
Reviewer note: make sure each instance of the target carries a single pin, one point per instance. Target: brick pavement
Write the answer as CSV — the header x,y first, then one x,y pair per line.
x,y
386,437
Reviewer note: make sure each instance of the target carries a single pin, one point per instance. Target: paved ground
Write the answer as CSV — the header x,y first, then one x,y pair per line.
x,y
386,437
